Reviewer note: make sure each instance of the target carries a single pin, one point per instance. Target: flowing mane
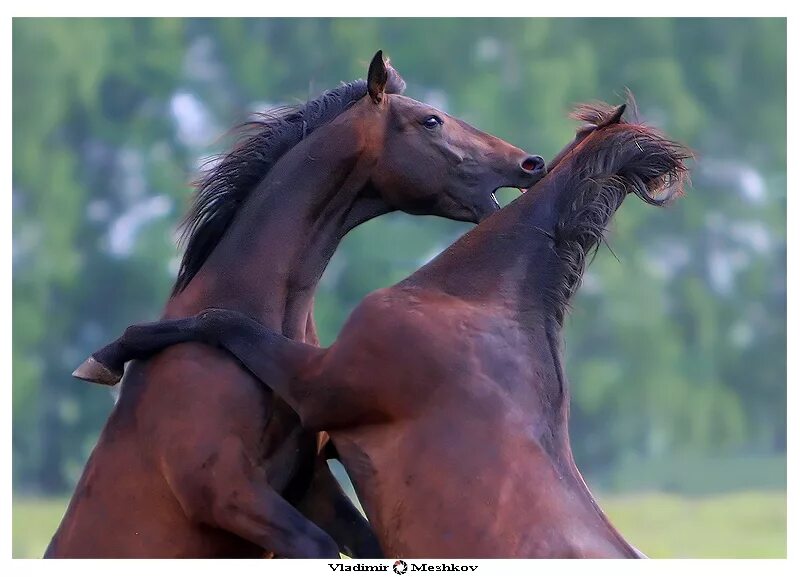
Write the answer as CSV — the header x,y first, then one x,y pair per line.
x,y
222,190
613,160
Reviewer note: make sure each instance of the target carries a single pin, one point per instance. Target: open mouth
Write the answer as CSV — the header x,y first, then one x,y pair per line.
x,y
497,202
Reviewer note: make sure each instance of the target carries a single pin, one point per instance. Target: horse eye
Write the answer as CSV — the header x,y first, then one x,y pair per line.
x,y
432,122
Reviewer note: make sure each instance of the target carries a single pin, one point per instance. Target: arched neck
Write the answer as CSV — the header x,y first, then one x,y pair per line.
x,y
269,261
513,262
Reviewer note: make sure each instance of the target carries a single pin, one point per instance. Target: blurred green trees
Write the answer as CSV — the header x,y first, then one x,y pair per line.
x,y
676,347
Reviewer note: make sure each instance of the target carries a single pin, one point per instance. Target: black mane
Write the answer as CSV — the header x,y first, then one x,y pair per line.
x,y
614,160
222,190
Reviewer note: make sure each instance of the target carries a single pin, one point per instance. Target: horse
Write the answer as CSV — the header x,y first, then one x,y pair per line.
x,y
445,395
197,459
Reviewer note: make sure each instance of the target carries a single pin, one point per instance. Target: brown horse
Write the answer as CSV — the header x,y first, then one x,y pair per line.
x,y
445,395
197,458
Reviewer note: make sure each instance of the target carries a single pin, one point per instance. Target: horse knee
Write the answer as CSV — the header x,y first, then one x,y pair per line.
x,y
223,510
272,522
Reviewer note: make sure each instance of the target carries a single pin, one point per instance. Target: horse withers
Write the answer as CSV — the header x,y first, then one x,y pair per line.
x,y
445,394
198,459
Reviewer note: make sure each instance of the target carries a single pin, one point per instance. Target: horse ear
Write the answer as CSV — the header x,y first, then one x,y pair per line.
x,y
377,77
616,116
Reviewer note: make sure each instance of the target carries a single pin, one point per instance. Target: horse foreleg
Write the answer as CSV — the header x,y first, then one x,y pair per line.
x,y
289,368
107,365
326,504
228,492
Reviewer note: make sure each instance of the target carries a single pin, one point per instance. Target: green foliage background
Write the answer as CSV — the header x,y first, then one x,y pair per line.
x,y
676,349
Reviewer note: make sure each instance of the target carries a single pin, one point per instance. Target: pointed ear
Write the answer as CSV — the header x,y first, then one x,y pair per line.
x,y
377,77
616,116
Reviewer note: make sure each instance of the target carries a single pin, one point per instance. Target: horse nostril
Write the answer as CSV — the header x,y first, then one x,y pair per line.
x,y
532,164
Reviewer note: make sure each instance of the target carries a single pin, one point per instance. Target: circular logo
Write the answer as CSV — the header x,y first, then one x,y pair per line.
x,y
400,567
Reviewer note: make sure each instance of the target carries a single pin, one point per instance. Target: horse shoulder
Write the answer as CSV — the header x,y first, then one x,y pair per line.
x,y
400,342
393,318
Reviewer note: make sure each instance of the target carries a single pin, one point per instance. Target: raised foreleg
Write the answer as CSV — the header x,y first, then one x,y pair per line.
x,y
226,490
295,371
107,365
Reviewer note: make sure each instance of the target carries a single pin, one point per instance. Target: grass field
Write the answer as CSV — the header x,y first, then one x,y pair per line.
x,y
737,525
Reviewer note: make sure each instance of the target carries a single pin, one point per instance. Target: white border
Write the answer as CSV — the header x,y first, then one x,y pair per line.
x,y
408,8
404,8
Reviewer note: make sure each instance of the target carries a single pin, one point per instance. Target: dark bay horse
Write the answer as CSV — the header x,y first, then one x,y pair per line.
x,y
198,459
445,394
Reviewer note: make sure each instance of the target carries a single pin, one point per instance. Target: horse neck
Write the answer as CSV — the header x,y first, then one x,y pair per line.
x,y
271,258
509,261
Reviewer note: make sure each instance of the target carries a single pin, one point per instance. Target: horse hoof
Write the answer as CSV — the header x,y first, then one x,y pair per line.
x,y
95,372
